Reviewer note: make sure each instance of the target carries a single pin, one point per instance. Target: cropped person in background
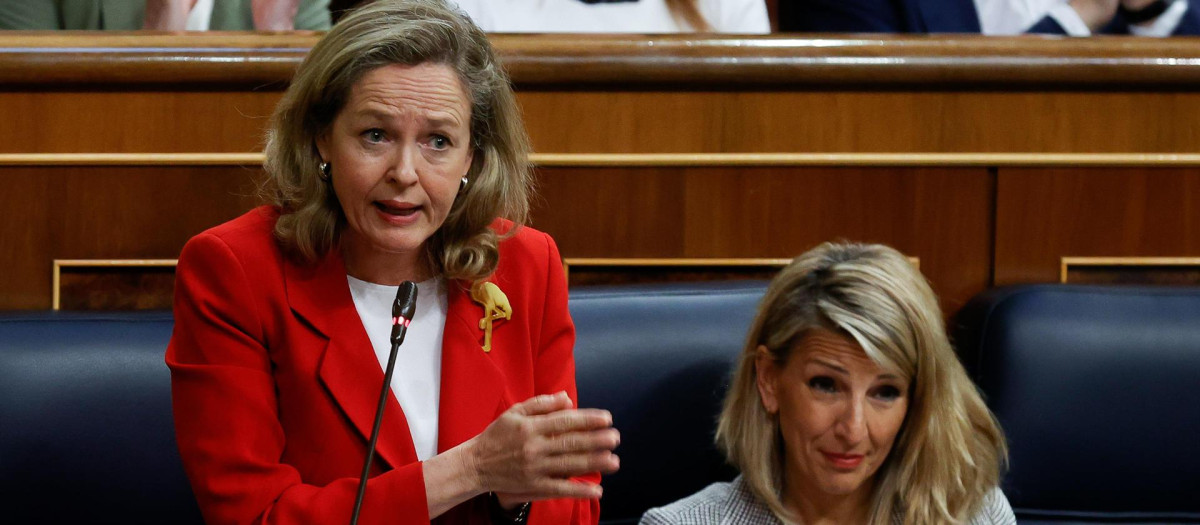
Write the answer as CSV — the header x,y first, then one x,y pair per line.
x,y
992,17
396,154
848,405
619,16
165,15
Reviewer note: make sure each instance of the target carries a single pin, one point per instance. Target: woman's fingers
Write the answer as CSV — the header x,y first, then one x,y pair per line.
x,y
576,442
568,465
561,488
565,488
539,405
564,421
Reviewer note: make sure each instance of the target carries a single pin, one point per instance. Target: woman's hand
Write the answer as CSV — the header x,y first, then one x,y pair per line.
x,y
532,450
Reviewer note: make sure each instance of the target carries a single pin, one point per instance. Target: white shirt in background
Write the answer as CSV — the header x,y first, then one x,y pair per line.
x,y
200,17
642,16
417,378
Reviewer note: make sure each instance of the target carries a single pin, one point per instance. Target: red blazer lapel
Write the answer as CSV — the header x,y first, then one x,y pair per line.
x,y
349,369
472,392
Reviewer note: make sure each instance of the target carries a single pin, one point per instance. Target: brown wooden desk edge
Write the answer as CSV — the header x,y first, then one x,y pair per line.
x,y
65,60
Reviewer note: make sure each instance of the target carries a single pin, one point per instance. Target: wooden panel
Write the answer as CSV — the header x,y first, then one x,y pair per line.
x,y
106,213
137,122
117,288
1043,215
941,216
592,271
612,212
861,121
26,202
653,122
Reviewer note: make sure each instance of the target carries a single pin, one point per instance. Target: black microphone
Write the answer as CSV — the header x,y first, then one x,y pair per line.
x,y
402,313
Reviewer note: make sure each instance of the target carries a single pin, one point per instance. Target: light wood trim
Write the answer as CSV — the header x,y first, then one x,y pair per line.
x,y
59,264
684,262
656,262
1068,262
866,159
131,159
666,159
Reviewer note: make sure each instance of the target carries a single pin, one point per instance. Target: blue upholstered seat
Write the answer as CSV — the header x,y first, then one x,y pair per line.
x,y
1098,390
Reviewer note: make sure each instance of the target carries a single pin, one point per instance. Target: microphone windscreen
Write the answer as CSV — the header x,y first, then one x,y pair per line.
x,y
406,300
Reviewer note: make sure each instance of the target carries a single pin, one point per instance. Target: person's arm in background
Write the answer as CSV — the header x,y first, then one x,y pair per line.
x,y
167,15
274,15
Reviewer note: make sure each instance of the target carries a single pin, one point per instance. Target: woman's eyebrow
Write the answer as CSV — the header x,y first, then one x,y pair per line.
x,y
843,371
834,366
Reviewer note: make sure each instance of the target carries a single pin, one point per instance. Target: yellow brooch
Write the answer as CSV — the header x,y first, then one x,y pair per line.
x,y
495,307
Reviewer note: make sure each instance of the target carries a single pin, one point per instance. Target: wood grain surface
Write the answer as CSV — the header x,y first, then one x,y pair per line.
x,y
106,212
1043,215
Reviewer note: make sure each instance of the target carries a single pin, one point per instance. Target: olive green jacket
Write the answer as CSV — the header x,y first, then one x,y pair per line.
x,y
125,15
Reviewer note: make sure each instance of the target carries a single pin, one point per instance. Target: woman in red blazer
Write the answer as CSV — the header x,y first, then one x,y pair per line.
x,y
397,154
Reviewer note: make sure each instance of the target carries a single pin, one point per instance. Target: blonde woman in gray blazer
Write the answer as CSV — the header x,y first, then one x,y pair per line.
x,y
849,405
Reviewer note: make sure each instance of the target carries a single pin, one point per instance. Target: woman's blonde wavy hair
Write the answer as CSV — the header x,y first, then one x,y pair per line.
x,y
949,452
408,32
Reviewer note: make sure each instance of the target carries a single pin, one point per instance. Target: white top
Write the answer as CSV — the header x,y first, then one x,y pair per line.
x,y
642,16
1012,17
417,378
200,17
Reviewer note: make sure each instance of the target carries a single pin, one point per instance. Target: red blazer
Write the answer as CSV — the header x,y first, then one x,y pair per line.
x,y
274,381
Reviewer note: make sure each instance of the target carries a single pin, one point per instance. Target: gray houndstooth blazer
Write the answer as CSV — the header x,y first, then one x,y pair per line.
x,y
733,504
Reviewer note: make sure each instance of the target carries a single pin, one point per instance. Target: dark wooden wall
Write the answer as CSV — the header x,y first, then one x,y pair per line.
x,y
987,159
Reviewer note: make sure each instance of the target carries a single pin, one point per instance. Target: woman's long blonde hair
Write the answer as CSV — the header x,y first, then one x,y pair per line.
x,y
949,452
408,32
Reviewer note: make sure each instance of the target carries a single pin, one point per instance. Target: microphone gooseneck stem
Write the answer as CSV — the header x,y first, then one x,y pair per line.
x,y
387,382
403,309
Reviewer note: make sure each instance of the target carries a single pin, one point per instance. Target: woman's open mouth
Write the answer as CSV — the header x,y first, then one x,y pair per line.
x,y
397,212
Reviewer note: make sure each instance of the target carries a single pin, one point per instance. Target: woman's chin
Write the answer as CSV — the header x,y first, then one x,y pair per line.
x,y
841,483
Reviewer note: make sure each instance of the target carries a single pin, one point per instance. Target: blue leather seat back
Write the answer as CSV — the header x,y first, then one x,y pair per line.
x,y
1098,391
659,358
86,434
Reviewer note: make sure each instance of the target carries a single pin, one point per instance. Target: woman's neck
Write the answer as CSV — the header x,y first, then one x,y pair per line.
x,y
366,264
815,507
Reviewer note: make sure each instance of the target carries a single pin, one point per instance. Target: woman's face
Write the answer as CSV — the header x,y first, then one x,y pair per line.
x,y
398,150
839,414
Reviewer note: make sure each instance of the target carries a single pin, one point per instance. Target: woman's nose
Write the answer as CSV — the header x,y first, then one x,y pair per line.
x,y
852,426
404,168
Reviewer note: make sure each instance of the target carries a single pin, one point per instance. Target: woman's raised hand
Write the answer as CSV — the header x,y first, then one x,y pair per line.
x,y
532,450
